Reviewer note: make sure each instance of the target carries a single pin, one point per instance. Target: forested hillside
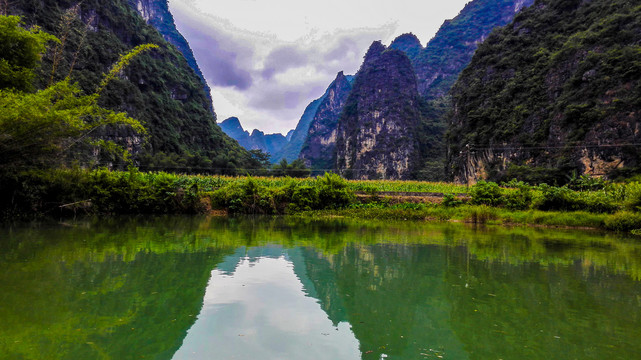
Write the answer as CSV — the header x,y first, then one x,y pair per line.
x,y
556,91
158,88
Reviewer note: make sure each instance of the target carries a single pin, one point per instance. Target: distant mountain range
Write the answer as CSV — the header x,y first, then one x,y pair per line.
x,y
257,140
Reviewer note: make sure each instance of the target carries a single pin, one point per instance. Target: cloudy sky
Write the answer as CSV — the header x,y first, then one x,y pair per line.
x,y
267,60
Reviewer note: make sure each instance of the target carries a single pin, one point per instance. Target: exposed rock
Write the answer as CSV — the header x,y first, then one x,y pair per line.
x,y
319,148
376,135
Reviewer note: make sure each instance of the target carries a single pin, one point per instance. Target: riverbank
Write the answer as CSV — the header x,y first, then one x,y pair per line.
x,y
72,192
477,214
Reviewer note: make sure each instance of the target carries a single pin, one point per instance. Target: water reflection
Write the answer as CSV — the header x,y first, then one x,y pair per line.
x,y
261,311
193,288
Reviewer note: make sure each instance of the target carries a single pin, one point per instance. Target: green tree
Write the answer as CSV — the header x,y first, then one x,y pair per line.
x,y
260,157
296,169
44,128
20,53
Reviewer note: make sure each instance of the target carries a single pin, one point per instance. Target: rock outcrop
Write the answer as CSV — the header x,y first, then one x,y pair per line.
x,y
319,148
376,136
437,66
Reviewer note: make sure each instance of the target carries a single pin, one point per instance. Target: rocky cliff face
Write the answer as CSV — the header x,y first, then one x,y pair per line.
x,y
157,14
318,152
157,88
270,143
437,66
376,136
557,90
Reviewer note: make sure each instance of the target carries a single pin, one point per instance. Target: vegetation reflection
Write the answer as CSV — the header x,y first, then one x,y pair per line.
x,y
132,287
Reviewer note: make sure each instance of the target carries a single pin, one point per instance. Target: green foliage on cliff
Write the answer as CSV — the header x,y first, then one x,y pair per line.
x,y
559,83
45,128
159,88
20,51
452,48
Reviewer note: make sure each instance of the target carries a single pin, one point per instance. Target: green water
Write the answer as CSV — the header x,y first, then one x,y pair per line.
x,y
212,288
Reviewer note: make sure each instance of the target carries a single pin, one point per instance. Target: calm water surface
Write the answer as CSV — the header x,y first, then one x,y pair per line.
x,y
263,288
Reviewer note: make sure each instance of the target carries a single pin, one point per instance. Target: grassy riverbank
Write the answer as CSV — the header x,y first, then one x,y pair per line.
x,y
64,192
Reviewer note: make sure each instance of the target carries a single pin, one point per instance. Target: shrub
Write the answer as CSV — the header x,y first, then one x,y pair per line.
x,y
486,193
633,196
519,199
586,183
623,221
562,198
247,197
482,214
450,200
304,197
333,191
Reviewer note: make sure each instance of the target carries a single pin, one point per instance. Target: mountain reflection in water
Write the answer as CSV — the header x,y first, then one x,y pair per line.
x,y
274,288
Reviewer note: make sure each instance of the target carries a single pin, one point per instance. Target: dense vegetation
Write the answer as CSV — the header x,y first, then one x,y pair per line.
x,y
557,90
452,48
159,89
586,202
77,191
59,123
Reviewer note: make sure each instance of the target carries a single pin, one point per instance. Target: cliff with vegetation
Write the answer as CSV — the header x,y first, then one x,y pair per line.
x,y
376,136
157,14
439,64
158,88
555,91
319,148
297,137
437,67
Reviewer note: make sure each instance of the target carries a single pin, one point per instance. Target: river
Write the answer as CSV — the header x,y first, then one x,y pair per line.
x,y
282,288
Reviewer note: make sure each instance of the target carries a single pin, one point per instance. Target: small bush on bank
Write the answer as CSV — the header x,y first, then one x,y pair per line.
x,y
333,192
632,196
519,199
482,214
486,193
564,199
326,192
623,221
450,200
